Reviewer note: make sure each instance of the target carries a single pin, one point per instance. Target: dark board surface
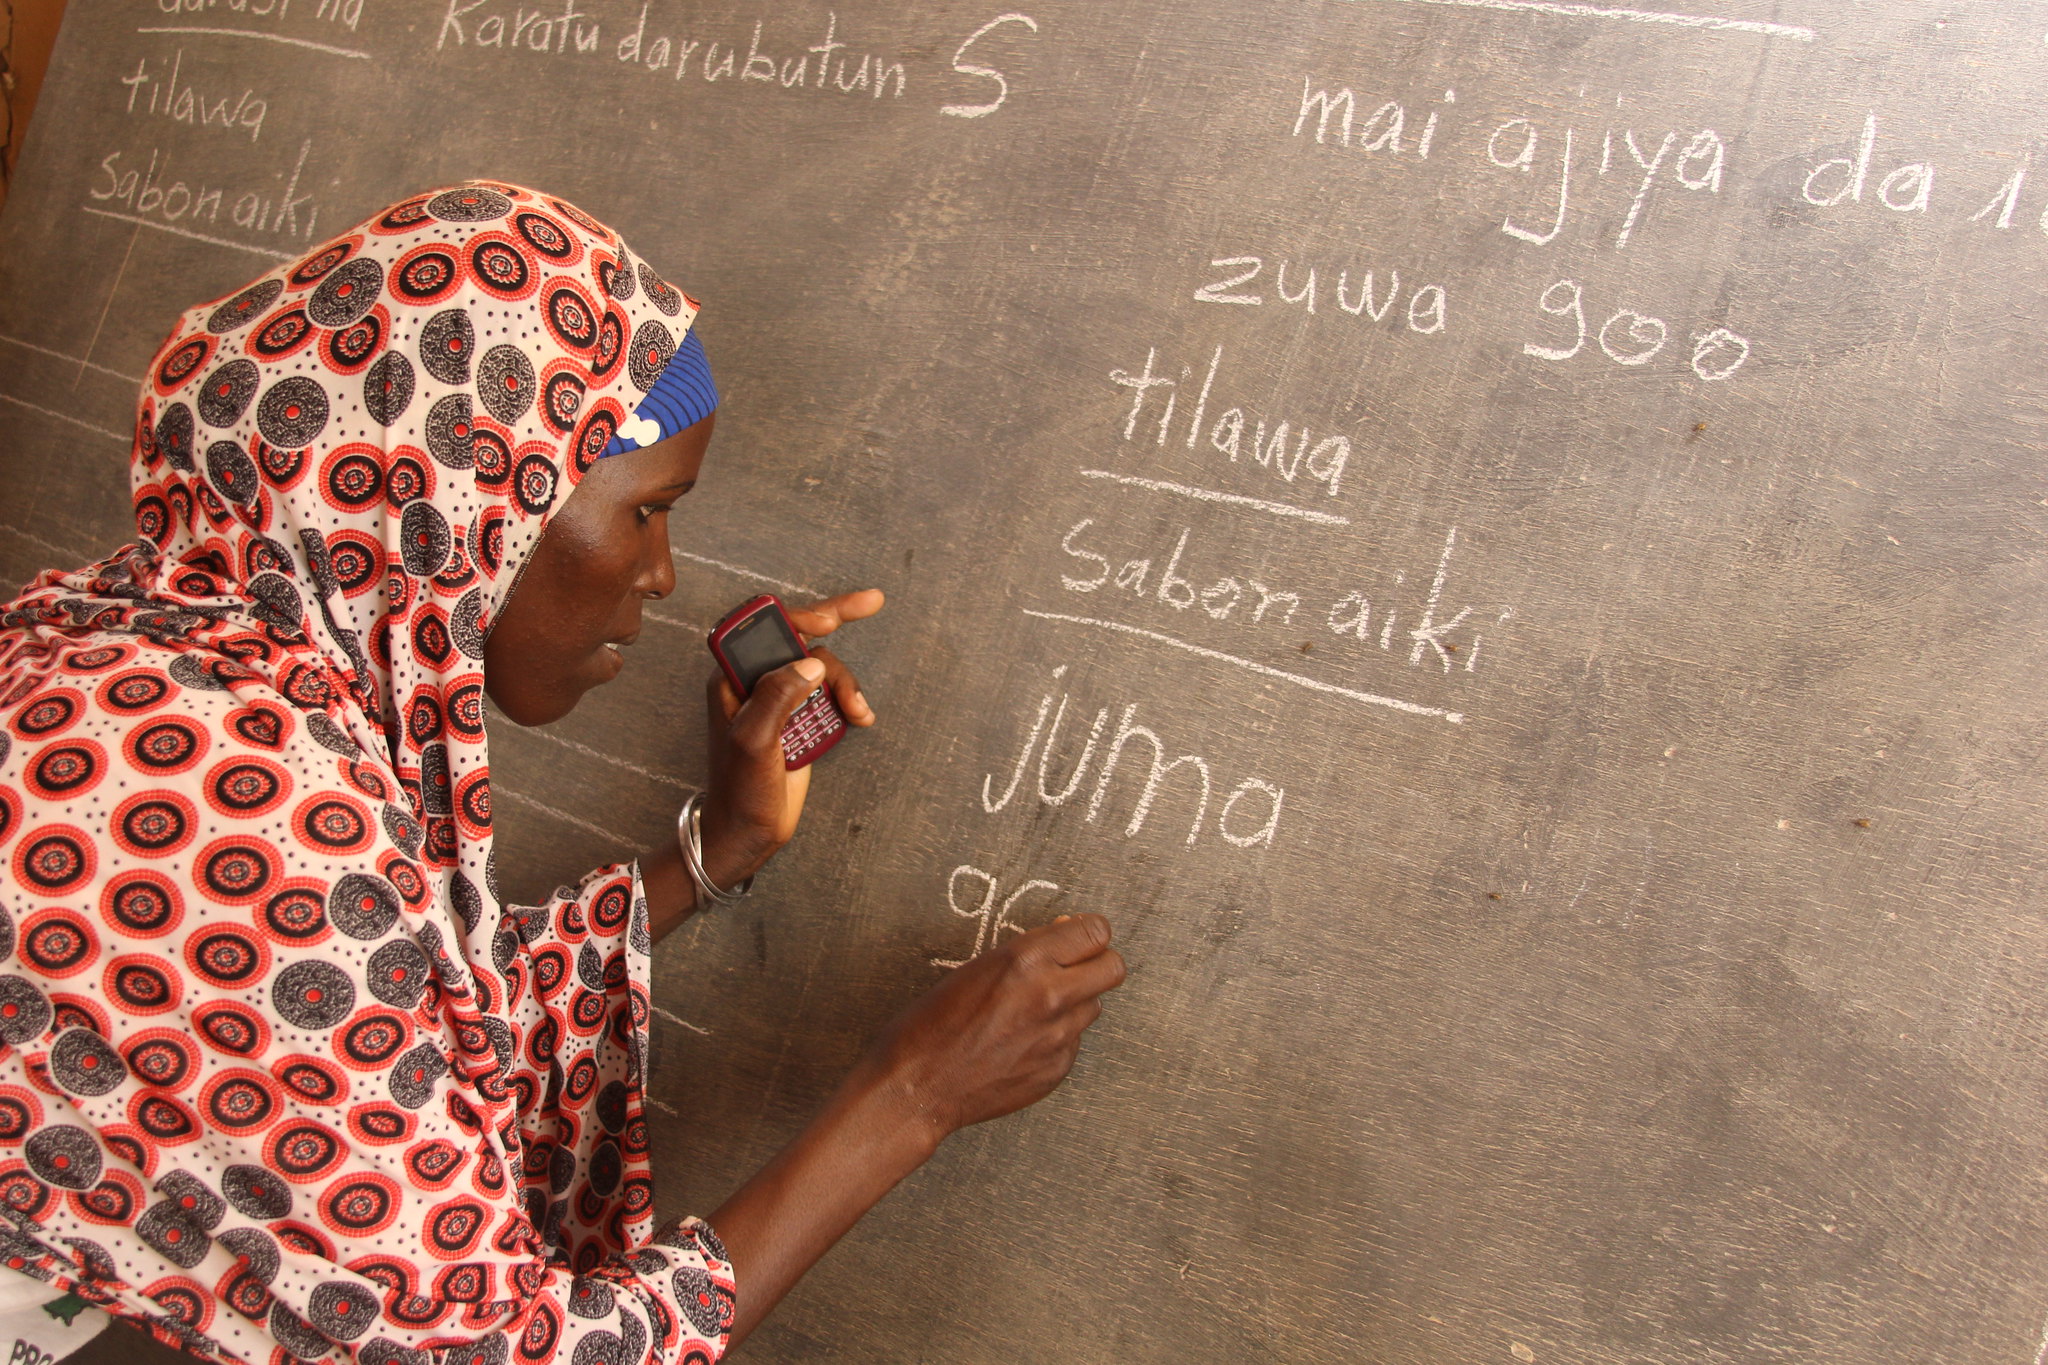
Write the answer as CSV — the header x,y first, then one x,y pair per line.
x,y
1645,963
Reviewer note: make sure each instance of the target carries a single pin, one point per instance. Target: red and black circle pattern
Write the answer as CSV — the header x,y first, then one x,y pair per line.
x,y
49,713
163,1058
62,772
263,958
142,903
352,479
282,335
427,274
295,915
181,362
166,746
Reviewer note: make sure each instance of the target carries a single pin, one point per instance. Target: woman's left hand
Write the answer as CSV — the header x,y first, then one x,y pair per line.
x,y
753,804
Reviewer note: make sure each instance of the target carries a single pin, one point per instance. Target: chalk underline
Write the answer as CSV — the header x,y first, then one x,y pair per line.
x,y
797,588
1637,16
674,1018
75,360
67,417
266,37
75,556
1280,509
613,759
187,232
676,621
507,794
1313,684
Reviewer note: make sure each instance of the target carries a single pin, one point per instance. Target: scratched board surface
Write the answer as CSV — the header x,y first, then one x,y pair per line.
x,y
1500,543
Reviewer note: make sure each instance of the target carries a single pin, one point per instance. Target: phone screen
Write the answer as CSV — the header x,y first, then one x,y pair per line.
x,y
762,644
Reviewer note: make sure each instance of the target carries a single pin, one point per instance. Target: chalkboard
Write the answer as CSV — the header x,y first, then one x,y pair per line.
x,y
1501,543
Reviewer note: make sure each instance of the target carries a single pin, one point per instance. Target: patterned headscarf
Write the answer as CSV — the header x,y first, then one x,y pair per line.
x,y
681,398
356,454
263,726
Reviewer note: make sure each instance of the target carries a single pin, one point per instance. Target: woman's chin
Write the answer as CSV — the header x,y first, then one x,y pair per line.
x,y
530,703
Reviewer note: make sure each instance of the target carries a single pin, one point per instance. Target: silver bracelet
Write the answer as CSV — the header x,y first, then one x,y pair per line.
x,y
690,836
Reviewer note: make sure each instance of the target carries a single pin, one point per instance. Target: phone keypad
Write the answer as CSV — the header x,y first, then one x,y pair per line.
x,y
815,727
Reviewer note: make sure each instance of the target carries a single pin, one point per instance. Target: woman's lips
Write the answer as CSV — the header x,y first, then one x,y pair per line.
x,y
612,653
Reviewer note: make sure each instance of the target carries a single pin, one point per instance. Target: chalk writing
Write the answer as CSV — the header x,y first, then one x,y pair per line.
x,y
1571,9
987,73
1247,818
1380,131
1868,176
1698,164
1236,280
1289,450
333,14
1688,159
1281,509
151,192
793,71
515,26
346,13
2000,209
1631,338
1877,170
755,57
991,923
1166,577
157,90
1904,189
1252,666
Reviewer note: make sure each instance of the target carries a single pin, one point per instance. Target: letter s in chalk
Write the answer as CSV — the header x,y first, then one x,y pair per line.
x,y
989,72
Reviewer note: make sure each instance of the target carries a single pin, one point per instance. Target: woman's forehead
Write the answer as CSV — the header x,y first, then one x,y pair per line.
x,y
668,467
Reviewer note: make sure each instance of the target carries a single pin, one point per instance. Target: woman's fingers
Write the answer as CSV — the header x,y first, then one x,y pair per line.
x,y
758,725
1002,1031
1074,957
795,787
1066,941
1086,980
720,700
844,687
822,618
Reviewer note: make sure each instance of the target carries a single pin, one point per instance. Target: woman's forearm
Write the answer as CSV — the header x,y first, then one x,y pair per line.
x,y
672,896
871,1134
992,1036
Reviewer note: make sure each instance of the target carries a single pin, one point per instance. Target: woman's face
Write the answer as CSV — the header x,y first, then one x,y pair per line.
x,y
579,597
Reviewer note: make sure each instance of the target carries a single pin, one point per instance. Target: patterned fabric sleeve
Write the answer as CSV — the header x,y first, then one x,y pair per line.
x,y
320,1110
584,1018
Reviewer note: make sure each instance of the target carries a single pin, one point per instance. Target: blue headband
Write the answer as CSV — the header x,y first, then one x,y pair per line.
x,y
683,395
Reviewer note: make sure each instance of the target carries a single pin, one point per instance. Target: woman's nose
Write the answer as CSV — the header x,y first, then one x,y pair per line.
x,y
658,580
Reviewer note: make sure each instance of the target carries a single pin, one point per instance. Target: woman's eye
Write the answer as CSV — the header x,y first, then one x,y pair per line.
x,y
653,509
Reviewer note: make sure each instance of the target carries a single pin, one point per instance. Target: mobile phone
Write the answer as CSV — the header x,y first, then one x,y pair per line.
x,y
756,638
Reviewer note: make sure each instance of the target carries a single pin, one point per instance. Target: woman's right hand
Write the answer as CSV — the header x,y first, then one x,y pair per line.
x,y
1002,1031
994,1036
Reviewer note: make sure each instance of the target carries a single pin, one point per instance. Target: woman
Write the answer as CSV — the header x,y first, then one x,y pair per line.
x,y
279,1071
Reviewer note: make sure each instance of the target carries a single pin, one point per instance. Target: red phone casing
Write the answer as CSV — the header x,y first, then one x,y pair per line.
x,y
817,724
